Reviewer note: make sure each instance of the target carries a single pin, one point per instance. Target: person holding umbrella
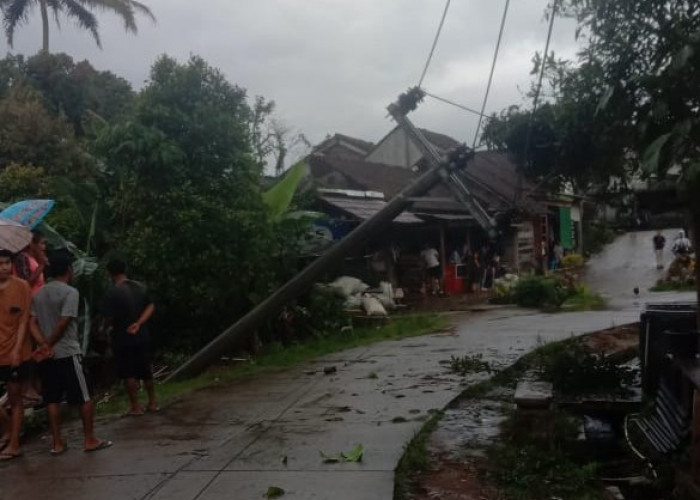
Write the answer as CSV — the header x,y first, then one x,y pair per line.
x,y
32,261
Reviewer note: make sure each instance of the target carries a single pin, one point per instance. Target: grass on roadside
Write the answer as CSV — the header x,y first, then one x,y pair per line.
x,y
275,357
415,459
584,300
670,286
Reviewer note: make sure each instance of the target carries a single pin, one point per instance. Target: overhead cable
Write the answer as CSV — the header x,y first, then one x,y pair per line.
x,y
493,68
452,103
435,41
538,89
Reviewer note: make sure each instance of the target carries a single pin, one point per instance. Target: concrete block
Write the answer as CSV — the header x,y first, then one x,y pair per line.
x,y
533,394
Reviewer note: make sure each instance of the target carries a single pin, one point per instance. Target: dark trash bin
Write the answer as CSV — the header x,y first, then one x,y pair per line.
x,y
665,329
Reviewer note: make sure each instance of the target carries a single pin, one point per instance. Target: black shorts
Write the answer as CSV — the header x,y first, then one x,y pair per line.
x,y
15,373
134,362
435,272
64,378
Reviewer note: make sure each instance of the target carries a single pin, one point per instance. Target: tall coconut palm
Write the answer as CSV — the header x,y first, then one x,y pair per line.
x,y
17,12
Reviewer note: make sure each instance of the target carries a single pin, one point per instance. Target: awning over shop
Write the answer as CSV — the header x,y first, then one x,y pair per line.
x,y
364,208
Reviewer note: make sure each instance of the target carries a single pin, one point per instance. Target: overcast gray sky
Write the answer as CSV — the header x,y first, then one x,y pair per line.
x,y
333,65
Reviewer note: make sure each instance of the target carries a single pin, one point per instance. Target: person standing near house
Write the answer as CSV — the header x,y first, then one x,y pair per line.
x,y
15,350
55,321
558,255
431,263
659,245
127,308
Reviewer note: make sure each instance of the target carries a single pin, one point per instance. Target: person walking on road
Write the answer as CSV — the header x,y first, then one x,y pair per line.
x,y
127,309
681,245
659,245
15,351
55,321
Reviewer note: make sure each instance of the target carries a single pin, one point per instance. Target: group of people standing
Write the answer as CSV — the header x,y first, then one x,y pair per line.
x,y
681,247
39,340
480,267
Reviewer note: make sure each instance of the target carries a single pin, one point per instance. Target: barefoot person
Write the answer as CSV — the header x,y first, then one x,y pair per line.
x,y
55,319
15,350
127,308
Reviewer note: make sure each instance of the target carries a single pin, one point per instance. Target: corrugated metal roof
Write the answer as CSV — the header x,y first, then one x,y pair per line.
x,y
364,208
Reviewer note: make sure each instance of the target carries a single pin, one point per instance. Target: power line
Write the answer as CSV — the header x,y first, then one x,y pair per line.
x,y
435,41
538,90
457,105
493,69
528,137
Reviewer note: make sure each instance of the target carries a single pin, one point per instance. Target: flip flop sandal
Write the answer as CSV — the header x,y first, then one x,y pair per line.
x,y
6,457
54,452
134,414
102,446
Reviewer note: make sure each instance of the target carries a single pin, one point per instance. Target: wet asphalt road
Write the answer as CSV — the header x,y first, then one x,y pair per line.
x,y
229,442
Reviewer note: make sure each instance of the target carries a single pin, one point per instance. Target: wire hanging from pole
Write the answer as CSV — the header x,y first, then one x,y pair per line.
x,y
435,41
538,89
456,104
493,69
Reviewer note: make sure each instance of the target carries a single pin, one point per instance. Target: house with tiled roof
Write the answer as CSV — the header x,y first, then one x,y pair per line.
x,y
351,189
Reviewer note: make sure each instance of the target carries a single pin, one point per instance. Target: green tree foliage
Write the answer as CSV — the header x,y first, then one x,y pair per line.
x,y
184,197
17,12
41,157
569,140
648,52
76,90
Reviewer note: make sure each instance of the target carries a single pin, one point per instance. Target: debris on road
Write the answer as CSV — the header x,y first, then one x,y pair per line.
x,y
354,455
274,492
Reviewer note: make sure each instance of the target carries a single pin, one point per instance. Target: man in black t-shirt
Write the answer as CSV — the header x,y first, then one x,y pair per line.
x,y
127,308
659,244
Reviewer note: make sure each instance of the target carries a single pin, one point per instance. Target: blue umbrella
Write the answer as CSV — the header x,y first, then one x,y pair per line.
x,y
29,213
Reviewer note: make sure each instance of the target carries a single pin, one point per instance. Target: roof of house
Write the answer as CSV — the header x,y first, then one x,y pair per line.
x,y
359,146
491,178
442,141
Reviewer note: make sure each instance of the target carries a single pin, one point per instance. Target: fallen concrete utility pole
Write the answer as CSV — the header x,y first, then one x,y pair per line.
x,y
236,336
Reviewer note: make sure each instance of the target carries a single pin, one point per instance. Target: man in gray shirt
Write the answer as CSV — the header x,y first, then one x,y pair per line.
x,y
54,316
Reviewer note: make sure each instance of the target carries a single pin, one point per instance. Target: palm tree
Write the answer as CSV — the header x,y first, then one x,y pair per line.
x,y
16,12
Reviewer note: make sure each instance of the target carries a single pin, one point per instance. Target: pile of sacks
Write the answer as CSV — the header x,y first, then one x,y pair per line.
x,y
357,295
505,286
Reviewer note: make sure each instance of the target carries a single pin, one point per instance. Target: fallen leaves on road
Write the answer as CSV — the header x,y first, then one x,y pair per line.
x,y
274,492
354,455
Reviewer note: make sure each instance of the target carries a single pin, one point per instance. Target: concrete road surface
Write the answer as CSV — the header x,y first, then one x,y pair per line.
x,y
234,442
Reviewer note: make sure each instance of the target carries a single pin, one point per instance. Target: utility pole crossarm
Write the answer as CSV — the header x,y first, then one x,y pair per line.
x,y
408,102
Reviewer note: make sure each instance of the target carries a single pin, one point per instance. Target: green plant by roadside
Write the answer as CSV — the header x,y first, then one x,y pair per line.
x,y
584,299
574,370
671,286
533,473
464,365
415,459
541,291
572,261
